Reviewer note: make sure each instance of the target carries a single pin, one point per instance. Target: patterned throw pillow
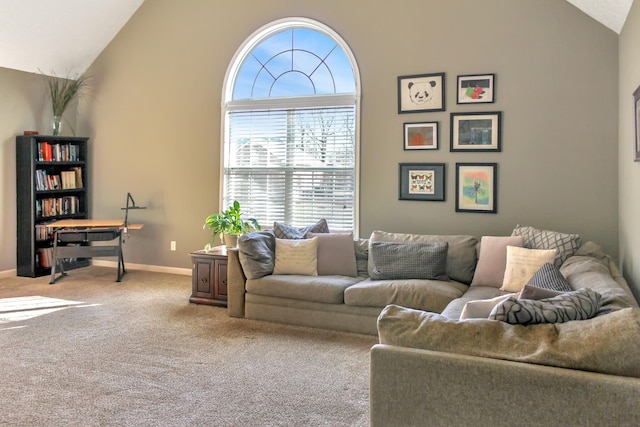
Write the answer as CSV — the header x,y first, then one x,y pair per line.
x,y
577,305
549,277
566,244
284,231
409,260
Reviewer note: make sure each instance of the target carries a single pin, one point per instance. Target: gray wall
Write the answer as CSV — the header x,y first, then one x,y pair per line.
x,y
154,120
629,171
23,106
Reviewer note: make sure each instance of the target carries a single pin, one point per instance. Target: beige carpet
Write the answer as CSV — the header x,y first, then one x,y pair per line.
x,y
136,353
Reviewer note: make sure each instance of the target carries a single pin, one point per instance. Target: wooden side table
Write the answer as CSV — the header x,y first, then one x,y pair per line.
x,y
209,277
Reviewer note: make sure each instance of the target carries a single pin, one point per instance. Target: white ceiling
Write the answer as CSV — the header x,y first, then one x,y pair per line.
x,y
611,13
59,37
64,37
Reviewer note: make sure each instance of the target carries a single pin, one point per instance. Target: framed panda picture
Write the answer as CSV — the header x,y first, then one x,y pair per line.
x,y
421,92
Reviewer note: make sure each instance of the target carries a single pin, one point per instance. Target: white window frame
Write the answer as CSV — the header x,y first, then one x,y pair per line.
x,y
228,104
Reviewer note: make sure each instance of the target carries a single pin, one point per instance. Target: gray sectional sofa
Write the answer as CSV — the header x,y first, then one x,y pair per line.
x,y
431,367
344,303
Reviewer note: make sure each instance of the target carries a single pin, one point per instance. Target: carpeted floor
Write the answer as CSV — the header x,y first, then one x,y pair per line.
x,y
136,353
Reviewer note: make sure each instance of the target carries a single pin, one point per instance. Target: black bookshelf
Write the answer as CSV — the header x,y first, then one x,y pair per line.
x,y
51,184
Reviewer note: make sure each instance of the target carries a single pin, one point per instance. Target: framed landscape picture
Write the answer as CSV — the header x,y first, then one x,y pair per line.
x,y
421,136
421,92
476,89
422,181
476,187
476,131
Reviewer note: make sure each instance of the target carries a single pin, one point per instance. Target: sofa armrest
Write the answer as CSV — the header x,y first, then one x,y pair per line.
x,y
412,387
235,284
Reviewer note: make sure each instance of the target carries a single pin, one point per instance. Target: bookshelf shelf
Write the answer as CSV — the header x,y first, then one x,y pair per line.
x,y
51,184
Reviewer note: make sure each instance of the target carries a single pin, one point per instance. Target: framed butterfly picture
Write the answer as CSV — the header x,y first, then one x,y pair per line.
x,y
422,181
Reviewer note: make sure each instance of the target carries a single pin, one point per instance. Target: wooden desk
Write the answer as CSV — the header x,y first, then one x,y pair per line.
x,y
80,233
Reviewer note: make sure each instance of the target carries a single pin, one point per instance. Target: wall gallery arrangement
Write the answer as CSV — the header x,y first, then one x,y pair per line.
x,y
476,183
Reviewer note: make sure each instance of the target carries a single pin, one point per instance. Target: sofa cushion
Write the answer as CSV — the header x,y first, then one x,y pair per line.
x,y
596,274
549,277
256,252
565,244
461,254
522,263
493,259
323,289
336,254
431,295
284,231
408,260
563,345
298,256
576,305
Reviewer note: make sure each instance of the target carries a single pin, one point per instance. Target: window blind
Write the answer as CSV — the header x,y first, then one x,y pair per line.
x,y
292,165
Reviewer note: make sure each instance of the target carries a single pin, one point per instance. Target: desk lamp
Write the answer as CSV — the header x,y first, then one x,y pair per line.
x,y
126,211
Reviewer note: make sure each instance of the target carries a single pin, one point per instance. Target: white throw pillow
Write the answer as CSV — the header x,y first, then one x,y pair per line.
x,y
481,308
522,264
299,256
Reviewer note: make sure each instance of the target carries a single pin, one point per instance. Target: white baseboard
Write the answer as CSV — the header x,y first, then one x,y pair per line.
x,y
145,267
128,266
8,273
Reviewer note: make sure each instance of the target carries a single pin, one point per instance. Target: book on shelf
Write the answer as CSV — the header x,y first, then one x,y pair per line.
x,y
48,152
68,205
70,179
45,256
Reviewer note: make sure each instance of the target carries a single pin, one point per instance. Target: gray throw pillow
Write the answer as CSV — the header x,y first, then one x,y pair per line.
x,y
577,305
284,231
549,277
256,252
565,244
408,260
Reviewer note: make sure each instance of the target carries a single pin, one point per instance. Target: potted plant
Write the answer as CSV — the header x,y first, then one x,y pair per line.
x,y
62,91
228,225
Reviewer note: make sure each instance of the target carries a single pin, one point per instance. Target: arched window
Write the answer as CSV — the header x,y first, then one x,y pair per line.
x,y
290,134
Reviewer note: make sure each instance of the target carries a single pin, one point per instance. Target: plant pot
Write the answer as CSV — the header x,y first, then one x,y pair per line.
x,y
230,240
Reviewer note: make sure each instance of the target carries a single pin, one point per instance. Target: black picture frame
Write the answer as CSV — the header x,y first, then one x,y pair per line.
x,y
419,93
476,89
477,187
421,136
480,131
636,111
422,181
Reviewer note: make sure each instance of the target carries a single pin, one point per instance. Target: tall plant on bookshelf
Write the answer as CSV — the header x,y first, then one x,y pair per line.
x,y
61,92
51,184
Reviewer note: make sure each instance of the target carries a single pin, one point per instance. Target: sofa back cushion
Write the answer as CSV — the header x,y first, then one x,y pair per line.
x,y
608,344
461,251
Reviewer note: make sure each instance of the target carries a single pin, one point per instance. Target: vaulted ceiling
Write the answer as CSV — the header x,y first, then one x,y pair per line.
x,y
63,37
